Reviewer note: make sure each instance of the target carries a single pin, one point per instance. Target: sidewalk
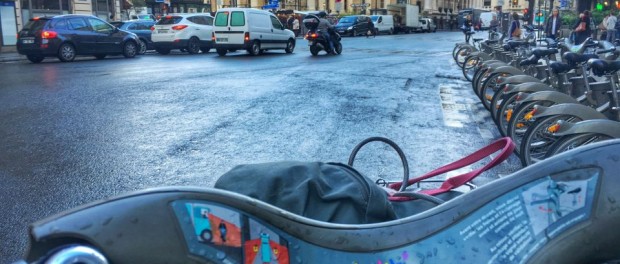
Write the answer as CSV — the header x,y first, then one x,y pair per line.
x,y
9,53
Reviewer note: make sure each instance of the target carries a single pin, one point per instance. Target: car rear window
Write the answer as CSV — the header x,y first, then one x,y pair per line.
x,y
237,19
35,24
221,19
169,20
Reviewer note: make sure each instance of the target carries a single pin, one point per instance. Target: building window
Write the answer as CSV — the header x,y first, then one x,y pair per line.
x,y
515,2
46,4
487,2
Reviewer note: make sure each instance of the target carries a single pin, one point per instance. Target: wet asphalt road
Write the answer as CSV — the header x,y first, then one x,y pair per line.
x,y
73,133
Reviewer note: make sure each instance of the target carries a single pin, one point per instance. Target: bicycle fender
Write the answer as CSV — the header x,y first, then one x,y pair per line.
x,y
518,79
508,69
490,63
600,126
554,96
573,109
529,87
483,55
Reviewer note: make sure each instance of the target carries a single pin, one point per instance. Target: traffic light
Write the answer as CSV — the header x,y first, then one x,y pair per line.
x,y
599,6
525,11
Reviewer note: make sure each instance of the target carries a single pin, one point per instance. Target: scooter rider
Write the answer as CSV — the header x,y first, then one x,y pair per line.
x,y
326,27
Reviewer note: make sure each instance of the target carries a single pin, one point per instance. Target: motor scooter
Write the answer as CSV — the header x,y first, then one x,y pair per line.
x,y
316,39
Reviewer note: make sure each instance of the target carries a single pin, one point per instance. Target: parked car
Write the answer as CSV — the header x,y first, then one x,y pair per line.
x,y
428,25
251,29
383,23
66,36
186,32
142,28
353,25
144,17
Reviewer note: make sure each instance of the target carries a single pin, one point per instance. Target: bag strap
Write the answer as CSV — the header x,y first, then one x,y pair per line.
x,y
504,144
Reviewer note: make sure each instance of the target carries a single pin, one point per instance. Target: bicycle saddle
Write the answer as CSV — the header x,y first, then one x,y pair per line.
x,y
602,67
491,41
543,52
532,60
478,39
564,209
576,58
560,67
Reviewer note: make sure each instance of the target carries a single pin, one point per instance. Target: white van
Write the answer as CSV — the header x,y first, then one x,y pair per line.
x,y
383,23
251,29
485,20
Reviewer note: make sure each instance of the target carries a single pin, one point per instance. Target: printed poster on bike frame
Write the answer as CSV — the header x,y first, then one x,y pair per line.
x,y
511,229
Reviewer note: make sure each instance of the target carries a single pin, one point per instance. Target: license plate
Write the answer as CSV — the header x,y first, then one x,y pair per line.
x,y
28,41
221,39
162,31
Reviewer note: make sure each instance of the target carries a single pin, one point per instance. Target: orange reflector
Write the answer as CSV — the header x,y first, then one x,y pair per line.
x,y
553,128
520,125
489,97
529,115
508,114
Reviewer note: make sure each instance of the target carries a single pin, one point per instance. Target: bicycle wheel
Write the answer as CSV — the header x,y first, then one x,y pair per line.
x,y
469,67
569,142
462,53
504,113
537,140
519,122
488,88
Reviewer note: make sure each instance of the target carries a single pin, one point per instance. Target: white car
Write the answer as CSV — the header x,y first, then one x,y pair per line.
x,y
250,29
187,32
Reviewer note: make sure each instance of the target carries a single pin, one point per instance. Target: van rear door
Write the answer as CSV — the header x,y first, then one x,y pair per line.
x,y
229,27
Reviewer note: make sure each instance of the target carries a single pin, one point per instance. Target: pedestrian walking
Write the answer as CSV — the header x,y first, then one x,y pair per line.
x,y
582,27
515,27
610,25
467,28
296,26
553,25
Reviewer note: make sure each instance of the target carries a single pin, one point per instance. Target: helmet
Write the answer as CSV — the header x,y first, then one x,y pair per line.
x,y
322,14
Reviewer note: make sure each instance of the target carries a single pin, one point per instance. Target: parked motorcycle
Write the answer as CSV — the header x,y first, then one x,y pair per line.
x,y
316,39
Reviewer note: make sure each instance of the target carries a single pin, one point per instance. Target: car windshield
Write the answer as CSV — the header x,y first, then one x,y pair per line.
x,y
374,18
169,20
347,20
35,24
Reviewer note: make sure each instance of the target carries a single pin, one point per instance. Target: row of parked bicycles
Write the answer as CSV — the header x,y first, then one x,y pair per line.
x,y
549,96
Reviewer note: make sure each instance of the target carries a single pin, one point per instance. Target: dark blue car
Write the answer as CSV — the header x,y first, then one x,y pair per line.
x,y
142,28
66,36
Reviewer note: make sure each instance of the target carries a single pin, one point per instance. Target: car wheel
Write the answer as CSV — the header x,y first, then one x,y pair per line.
x,y
66,52
255,49
163,51
193,46
290,46
35,58
205,49
100,56
130,49
338,48
142,48
221,52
